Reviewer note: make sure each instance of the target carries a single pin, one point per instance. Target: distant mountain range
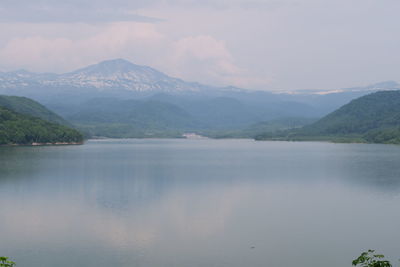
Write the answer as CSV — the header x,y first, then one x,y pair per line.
x,y
120,74
120,99
117,74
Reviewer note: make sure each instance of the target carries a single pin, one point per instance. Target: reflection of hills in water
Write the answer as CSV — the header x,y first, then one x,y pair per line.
x,y
137,202
137,171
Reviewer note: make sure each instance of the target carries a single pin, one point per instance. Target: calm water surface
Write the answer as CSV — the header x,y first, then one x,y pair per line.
x,y
196,203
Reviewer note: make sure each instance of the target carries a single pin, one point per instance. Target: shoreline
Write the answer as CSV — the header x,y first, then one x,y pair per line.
x,y
45,144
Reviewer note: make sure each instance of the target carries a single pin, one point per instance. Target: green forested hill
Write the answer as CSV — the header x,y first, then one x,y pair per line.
x,y
378,110
30,107
17,128
373,118
131,118
254,130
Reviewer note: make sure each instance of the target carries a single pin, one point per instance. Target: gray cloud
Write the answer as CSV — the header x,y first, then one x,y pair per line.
x,y
73,16
47,11
89,11
263,44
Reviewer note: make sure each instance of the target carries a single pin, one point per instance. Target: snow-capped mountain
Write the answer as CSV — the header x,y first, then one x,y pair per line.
x,y
111,74
121,78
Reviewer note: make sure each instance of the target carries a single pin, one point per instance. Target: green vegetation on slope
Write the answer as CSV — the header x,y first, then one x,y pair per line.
x,y
257,129
375,111
22,129
116,118
374,118
5,262
171,116
30,107
371,259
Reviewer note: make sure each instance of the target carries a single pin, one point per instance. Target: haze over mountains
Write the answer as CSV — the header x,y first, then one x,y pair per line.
x,y
117,74
120,99
122,75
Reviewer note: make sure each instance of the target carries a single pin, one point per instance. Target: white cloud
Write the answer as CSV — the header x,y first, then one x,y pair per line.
x,y
203,55
302,44
200,58
206,58
61,54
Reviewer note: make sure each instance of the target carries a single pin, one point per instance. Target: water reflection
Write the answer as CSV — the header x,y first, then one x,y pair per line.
x,y
197,203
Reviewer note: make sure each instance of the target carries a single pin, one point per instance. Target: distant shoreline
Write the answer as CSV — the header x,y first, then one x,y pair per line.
x,y
45,144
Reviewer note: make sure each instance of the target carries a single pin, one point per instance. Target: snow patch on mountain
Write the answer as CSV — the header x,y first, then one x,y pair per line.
x,y
110,74
120,74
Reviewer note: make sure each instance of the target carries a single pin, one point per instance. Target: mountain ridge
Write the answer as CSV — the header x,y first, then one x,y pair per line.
x,y
108,74
212,107
124,75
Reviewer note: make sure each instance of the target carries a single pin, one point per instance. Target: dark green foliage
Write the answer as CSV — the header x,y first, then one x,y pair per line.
x,y
266,127
369,259
5,262
29,107
17,128
375,111
374,118
383,136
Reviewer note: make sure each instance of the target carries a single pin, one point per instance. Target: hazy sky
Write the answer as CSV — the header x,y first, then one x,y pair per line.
x,y
256,44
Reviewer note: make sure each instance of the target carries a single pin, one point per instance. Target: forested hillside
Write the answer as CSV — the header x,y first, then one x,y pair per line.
x,y
30,107
22,129
374,118
131,118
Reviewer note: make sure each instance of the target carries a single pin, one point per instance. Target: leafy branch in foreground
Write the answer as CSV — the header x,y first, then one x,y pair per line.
x,y
369,259
4,262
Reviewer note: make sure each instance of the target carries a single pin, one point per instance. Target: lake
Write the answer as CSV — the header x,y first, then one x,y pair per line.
x,y
196,203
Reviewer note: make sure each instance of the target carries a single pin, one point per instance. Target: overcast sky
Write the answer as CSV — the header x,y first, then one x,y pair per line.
x,y
255,44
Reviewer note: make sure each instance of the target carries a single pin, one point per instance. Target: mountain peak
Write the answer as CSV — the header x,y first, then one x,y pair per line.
x,y
122,74
119,74
111,66
117,63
